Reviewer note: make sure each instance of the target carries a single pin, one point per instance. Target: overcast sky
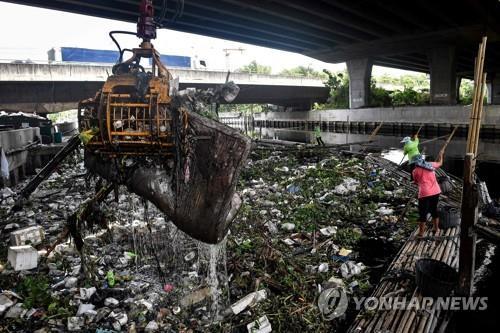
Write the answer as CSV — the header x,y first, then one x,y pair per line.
x,y
29,32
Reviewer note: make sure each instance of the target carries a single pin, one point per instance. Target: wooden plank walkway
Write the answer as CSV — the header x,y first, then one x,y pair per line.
x,y
399,278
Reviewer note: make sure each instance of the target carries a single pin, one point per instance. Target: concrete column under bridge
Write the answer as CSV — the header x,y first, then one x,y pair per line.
x,y
444,85
360,71
494,88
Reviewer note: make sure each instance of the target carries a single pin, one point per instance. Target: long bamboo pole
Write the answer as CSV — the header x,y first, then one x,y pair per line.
x,y
480,115
475,124
469,209
474,96
477,97
372,135
479,80
447,142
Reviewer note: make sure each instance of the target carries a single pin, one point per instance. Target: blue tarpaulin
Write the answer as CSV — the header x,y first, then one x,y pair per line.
x,y
106,56
88,55
175,61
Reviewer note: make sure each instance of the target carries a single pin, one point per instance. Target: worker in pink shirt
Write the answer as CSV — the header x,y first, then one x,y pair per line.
x,y
428,192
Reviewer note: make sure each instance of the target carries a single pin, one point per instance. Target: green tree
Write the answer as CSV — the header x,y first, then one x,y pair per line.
x,y
254,67
303,71
246,109
409,96
379,97
339,90
415,81
414,92
466,92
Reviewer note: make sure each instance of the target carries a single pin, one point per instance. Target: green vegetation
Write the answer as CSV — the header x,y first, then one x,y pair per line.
x,y
35,291
254,67
417,82
379,97
64,116
246,109
338,83
347,237
307,217
466,91
302,71
409,96
386,91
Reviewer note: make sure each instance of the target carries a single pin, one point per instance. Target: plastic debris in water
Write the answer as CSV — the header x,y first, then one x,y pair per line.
x,y
168,287
328,231
249,300
323,268
262,325
292,188
110,277
350,268
344,252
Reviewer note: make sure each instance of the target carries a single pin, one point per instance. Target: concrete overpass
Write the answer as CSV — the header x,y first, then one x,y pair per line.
x,y
57,87
436,37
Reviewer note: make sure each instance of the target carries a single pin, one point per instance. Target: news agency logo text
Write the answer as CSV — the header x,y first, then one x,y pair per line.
x,y
333,303
452,303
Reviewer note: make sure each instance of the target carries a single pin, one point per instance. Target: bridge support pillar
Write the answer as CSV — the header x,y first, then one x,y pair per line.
x,y
443,75
360,71
494,88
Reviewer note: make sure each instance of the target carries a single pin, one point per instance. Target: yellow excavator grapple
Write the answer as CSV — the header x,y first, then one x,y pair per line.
x,y
131,114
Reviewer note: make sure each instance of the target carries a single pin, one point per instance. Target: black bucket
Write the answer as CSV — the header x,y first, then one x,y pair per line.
x,y
445,184
449,217
435,278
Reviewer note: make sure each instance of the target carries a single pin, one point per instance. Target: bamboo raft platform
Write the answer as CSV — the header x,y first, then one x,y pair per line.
x,y
399,278
442,246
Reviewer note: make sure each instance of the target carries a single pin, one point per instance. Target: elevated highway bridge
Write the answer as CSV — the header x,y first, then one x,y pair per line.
x,y
47,88
435,37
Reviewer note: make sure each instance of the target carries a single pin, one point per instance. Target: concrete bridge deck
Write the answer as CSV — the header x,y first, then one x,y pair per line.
x,y
57,87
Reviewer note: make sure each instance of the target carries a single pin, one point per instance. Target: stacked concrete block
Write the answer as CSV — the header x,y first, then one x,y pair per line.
x,y
31,235
23,257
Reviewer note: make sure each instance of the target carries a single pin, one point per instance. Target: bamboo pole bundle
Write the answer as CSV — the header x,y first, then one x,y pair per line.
x,y
477,101
480,114
469,207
